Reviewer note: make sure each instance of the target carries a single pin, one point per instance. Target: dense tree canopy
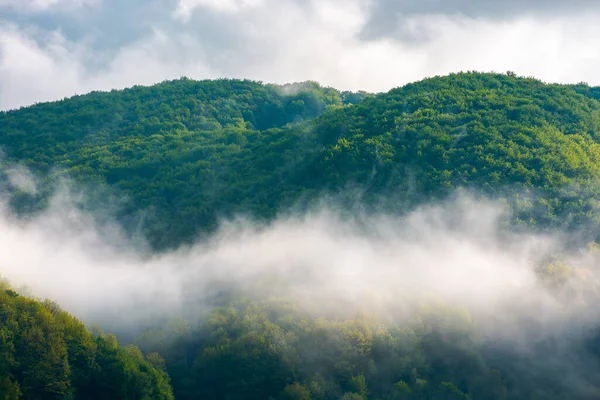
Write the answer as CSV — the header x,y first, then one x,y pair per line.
x,y
272,349
185,153
46,353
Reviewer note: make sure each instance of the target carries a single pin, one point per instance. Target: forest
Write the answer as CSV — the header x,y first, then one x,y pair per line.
x,y
45,353
171,162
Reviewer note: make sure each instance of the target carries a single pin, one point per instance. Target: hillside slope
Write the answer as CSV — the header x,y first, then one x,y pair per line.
x,y
46,353
173,148
187,153
534,144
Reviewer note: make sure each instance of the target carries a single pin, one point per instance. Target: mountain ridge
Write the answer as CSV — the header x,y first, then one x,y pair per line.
x,y
217,148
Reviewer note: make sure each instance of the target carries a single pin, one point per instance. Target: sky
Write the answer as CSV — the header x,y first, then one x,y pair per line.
x,y
51,49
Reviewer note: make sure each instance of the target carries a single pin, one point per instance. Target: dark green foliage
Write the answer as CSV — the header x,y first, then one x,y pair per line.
x,y
268,349
45,353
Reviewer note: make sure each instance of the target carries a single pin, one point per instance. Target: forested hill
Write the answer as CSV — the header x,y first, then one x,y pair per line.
x,y
183,154
182,145
186,153
46,353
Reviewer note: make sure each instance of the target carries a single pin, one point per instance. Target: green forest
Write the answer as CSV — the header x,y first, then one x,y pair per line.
x,y
182,154
172,161
45,353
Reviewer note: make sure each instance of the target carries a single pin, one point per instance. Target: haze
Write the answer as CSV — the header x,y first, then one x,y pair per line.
x,y
454,251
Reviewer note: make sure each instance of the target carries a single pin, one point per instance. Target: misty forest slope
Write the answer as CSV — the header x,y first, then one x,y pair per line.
x,y
173,159
271,349
46,353
186,153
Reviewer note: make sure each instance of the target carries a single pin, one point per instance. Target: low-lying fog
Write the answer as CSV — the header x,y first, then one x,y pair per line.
x,y
455,251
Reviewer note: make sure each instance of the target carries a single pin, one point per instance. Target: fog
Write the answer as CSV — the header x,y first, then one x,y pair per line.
x,y
456,252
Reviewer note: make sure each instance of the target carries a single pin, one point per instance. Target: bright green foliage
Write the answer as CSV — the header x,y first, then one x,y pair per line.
x,y
498,135
47,354
295,391
186,153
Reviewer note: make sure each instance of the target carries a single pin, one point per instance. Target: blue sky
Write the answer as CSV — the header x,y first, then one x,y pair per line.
x,y
50,49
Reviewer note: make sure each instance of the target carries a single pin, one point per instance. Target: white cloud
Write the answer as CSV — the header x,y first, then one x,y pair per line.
x,y
186,7
30,72
42,5
22,179
287,40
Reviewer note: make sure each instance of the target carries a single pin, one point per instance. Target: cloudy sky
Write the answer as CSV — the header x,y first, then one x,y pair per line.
x,y
50,49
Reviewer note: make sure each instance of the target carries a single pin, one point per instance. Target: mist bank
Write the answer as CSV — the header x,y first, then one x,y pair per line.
x,y
457,251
